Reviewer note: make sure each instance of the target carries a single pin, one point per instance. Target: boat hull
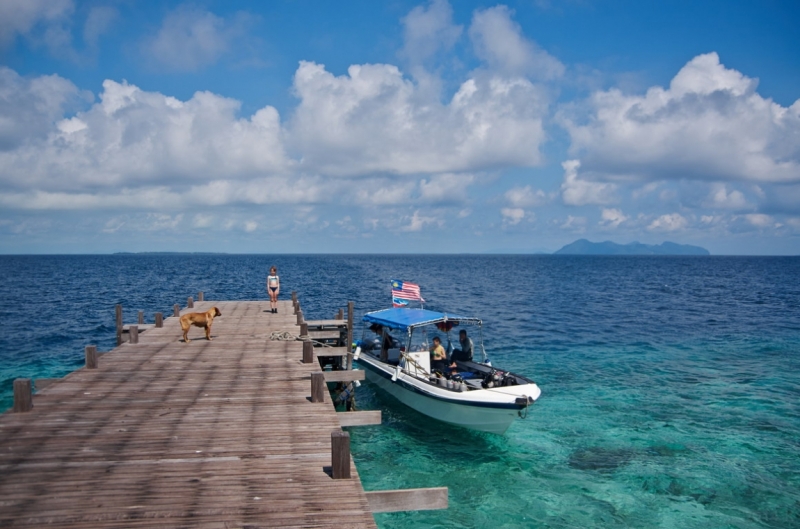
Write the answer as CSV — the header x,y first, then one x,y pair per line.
x,y
444,405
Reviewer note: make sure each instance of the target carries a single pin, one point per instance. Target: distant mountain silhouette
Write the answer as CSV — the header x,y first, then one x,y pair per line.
x,y
584,247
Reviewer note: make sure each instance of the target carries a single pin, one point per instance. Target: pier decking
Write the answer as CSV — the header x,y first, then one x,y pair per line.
x,y
162,433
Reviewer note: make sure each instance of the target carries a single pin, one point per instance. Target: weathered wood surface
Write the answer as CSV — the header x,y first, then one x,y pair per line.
x,y
408,499
167,434
343,376
141,326
326,324
331,351
324,335
359,418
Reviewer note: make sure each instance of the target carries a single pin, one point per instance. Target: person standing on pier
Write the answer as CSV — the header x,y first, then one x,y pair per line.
x,y
273,289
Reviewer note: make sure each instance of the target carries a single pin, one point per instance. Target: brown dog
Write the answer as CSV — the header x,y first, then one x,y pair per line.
x,y
199,319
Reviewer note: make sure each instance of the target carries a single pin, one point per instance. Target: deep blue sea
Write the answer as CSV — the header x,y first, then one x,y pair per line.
x,y
670,385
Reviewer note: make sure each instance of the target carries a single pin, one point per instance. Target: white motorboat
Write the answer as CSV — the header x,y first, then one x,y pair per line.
x,y
395,353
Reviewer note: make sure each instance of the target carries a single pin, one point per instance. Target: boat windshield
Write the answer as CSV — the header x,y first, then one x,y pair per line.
x,y
421,338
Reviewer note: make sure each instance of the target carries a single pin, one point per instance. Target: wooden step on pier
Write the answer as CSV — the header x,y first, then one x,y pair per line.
x,y
218,434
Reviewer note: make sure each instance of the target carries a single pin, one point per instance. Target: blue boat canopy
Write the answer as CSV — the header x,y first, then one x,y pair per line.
x,y
402,318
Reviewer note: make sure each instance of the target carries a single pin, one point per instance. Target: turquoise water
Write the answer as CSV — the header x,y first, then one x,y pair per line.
x,y
670,385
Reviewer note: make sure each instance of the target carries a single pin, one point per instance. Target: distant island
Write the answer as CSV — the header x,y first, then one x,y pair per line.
x,y
584,247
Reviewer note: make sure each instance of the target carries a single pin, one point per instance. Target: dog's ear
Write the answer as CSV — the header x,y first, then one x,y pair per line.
x,y
217,312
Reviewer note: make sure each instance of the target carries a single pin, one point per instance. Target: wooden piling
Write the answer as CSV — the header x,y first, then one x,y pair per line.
x,y
300,317
304,330
308,352
200,296
340,315
340,455
133,332
140,319
349,344
176,310
318,387
118,316
189,303
159,319
23,395
90,352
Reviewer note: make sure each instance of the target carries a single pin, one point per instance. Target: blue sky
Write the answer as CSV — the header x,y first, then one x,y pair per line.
x,y
398,126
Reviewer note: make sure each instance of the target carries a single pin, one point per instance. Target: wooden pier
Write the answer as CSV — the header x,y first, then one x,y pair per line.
x,y
220,434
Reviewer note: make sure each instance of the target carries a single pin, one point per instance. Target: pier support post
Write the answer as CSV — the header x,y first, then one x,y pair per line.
x,y
176,310
340,455
304,330
133,331
23,395
118,315
300,317
339,315
201,296
308,352
317,387
140,319
294,296
295,307
90,352
349,344
159,320
189,303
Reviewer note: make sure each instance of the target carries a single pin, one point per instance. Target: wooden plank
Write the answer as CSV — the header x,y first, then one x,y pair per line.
x,y
359,418
331,351
142,327
41,383
324,335
344,376
408,499
326,324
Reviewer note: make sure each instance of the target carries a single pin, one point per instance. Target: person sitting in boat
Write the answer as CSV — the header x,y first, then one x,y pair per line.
x,y
465,353
438,356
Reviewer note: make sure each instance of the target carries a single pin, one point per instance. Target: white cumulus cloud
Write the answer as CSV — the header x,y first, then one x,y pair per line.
x,y
525,197
720,197
499,41
612,217
668,223
512,215
759,220
710,124
371,120
133,137
191,38
577,191
22,17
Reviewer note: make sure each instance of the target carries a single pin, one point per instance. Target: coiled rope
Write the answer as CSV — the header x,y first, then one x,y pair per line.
x,y
286,336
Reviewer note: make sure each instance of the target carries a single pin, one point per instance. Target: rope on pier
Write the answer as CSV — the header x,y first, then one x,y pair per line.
x,y
286,336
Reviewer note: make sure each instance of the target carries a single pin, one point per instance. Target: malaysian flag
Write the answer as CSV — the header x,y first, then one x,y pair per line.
x,y
403,292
